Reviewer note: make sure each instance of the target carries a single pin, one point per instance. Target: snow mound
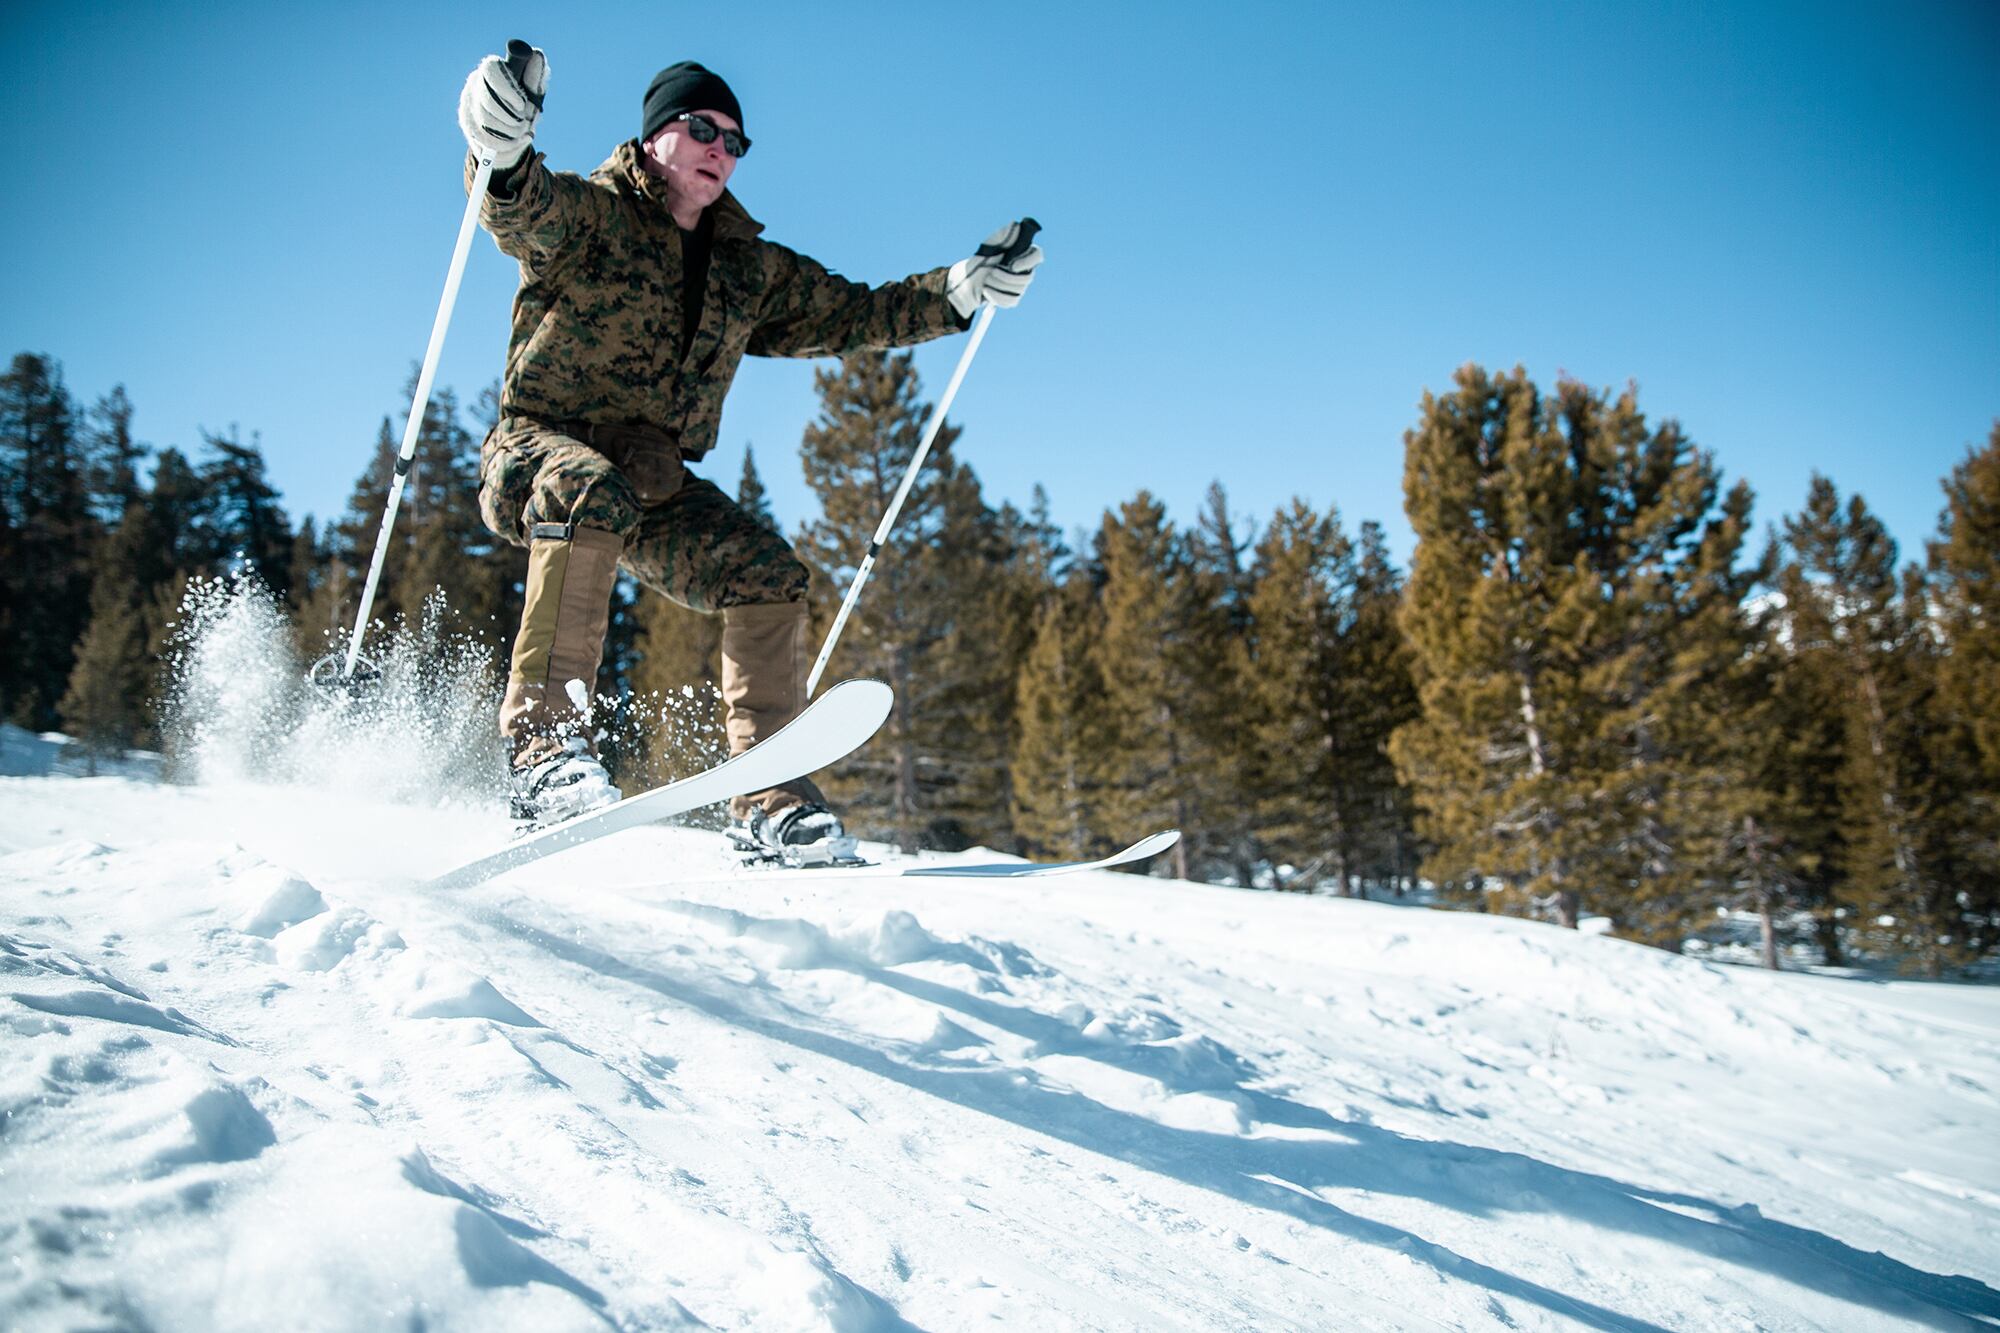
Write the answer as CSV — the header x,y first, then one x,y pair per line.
x,y
440,988
277,898
323,942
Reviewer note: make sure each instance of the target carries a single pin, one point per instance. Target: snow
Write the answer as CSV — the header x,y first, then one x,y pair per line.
x,y
254,1076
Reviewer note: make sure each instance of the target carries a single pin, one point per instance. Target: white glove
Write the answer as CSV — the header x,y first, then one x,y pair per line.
x,y
497,108
989,278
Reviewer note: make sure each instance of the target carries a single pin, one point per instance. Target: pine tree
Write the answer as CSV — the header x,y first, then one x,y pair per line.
x,y
1377,695
175,550
143,569
10,591
1327,681
178,524
1965,563
1547,610
1944,917
1051,602
1041,557
751,496
854,454
987,606
1215,656
1304,581
439,543
1844,622
244,522
114,458
45,584
450,548
1146,772
108,703
1061,720
309,564
1694,645
1965,589
1217,550
1804,740
326,615
161,617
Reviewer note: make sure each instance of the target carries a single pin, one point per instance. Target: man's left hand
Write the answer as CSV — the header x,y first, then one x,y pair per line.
x,y
990,277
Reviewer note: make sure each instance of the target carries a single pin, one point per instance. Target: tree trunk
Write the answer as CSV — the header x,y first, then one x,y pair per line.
x,y
1181,821
1903,854
904,817
1537,761
1567,902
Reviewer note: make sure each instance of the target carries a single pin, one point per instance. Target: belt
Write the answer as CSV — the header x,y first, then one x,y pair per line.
x,y
606,438
599,436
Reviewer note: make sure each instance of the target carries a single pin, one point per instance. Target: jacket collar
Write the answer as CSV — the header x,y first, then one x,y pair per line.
x,y
623,170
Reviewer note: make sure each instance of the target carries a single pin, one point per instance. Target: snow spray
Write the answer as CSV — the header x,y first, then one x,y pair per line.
x,y
237,709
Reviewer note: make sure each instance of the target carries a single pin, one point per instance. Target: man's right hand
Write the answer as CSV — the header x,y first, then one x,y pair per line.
x,y
992,276
497,109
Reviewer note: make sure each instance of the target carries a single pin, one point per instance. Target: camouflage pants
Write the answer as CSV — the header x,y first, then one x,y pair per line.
x,y
684,538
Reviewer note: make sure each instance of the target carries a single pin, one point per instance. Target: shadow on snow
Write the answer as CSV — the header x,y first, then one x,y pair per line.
x,y
1476,1180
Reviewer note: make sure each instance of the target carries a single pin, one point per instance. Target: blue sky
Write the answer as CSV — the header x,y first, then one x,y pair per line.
x,y
1270,227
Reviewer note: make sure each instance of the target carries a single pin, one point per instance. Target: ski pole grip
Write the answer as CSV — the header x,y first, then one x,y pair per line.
x,y
518,55
1024,238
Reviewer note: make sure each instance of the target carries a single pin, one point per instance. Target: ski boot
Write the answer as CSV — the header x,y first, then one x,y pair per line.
x,y
800,835
551,781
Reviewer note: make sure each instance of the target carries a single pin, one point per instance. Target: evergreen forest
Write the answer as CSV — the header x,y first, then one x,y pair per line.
x,y
1599,690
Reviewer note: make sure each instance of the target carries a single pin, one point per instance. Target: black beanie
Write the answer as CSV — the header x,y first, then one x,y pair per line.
x,y
685,87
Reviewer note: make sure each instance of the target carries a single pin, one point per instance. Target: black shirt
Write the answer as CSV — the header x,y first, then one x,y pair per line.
x,y
695,246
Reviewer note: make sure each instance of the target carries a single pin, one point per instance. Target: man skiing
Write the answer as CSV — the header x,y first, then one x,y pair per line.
x,y
642,287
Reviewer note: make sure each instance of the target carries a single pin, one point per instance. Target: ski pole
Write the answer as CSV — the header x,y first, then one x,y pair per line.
x,y
518,53
1022,241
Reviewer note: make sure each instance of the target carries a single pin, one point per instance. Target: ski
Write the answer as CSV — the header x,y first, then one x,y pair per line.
x,y
835,724
1142,850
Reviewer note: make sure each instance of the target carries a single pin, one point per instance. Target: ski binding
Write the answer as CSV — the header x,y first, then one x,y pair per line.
x,y
838,852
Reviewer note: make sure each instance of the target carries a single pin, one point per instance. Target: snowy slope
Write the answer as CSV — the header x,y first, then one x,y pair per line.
x,y
251,1077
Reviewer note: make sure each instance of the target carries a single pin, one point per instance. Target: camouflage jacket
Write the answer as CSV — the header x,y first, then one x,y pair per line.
x,y
597,321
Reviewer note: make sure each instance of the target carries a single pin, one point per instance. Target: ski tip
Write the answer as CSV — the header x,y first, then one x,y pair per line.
x,y
870,699
1155,844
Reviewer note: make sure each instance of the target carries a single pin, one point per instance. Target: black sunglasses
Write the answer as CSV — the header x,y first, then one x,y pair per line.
x,y
734,142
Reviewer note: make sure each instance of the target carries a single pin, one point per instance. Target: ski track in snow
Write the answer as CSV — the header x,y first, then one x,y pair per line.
x,y
252,1077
